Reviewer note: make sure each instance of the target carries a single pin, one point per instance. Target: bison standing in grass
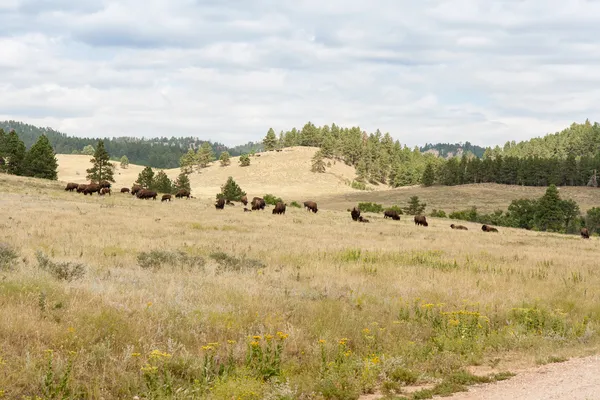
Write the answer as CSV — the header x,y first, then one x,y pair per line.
x,y
459,227
421,220
279,208
146,194
220,204
104,191
355,213
487,228
258,203
91,188
136,189
124,190
311,206
182,193
393,214
585,233
81,187
71,186
104,184
244,200
166,197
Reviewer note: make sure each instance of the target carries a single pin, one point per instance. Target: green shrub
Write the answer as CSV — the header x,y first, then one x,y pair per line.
x,y
64,271
370,207
295,204
156,259
7,257
272,200
358,185
234,264
438,213
396,208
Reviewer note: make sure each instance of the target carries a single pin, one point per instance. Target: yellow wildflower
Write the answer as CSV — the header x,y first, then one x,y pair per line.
x,y
366,331
375,360
254,344
281,335
149,304
71,329
149,369
256,337
348,353
268,338
214,344
343,341
322,341
231,341
207,348
135,354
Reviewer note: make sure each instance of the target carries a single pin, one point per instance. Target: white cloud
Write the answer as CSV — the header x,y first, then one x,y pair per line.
x,y
424,71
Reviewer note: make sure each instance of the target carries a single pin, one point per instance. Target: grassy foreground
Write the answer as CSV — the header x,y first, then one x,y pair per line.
x,y
115,297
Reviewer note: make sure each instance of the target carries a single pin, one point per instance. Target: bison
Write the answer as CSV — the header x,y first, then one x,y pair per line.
x,y
91,188
81,187
166,197
135,189
361,219
146,194
104,191
71,186
182,193
220,204
311,206
459,227
124,190
487,228
421,220
104,184
585,233
393,214
244,200
258,204
279,208
355,213
246,210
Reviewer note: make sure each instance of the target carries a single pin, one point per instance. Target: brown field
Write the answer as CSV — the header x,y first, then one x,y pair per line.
x,y
384,307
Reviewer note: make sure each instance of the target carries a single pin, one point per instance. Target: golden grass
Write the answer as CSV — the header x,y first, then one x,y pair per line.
x,y
385,286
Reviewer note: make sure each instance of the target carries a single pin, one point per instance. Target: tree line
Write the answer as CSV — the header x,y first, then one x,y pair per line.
x,y
38,162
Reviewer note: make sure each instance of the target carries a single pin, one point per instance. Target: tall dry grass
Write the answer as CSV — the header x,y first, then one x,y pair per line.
x,y
358,307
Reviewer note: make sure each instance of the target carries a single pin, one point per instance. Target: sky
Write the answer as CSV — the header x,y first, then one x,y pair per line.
x,y
424,71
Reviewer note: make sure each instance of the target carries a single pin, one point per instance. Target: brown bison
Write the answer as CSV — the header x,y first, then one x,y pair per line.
x,y
81,187
393,214
311,206
124,190
71,186
487,228
104,191
166,197
246,210
104,184
91,188
220,204
135,189
182,193
459,227
421,220
585,233
244,200
361,219
279,208
355,213
146,194
258,203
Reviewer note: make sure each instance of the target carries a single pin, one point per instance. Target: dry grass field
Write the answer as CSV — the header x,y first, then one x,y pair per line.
x,y
116,297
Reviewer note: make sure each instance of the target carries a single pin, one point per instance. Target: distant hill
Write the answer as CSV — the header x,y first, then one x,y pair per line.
x,y
446,150
158,153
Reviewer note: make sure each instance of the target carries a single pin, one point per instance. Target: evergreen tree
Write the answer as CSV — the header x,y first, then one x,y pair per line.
x,y
124,162
146,178
428,178
205,155
415,207
592,219
161,183
88,150
231,191
318,165
225,159
549,214
328,146
15,153
102,169
2,148
187,161
361,171
270,141
570,212
244,160
40,160
183,182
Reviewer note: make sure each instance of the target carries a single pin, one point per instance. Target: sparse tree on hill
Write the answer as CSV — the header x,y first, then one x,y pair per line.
x,y
270,141
15,153
205,155
40,160
161,183
187,161
244,160
231,191
124,162
183,182
225,159
428,175
318,164
415,207
88,150
102,169
146,178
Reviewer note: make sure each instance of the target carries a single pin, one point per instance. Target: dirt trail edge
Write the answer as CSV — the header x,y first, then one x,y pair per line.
x,y
575,379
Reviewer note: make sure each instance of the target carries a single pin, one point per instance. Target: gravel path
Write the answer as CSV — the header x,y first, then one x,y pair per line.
x,y
575,379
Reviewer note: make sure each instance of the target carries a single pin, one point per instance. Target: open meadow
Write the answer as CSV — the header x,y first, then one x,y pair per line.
x,y
112,297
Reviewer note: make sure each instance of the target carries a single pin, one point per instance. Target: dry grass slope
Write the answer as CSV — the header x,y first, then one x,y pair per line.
x,y
394,304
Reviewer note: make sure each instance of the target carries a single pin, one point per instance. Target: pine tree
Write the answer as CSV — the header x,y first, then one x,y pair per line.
x,y
2,149
328,146
244,160
205,155
570,211
231,191
592,219
361,171
428,178
146,178
549,214
102,169
40,160
187,161
270,141
161,183
318,165
15,153
225,159
183,182
124,162
415,207
88,150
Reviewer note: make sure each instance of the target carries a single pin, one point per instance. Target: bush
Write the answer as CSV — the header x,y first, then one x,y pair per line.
x,y
156,259
295,204
64,271
370,207
438,213
7,257
358,185
272,200
231,191
234,264
398,209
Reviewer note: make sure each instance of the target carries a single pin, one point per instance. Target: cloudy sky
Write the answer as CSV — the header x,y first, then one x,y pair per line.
x,y
425,71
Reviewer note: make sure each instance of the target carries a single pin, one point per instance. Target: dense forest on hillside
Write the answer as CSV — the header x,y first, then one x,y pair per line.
x,y
159,152
447,150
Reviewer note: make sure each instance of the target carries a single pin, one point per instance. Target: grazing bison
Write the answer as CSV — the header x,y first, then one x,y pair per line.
x,y
279,208
182,193
104,191
244,200
361,219
258,204
246,210
393,214
104,184
81,187
91,188
459,227
220,204
585,233
421,220
355,213
135,189
146,194
124,190
166,197
71,186
311,206
487,228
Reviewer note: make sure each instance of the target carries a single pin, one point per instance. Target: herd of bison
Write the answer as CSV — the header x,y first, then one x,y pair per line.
x,y
257,203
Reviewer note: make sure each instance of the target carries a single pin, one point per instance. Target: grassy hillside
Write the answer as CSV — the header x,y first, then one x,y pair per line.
x,y
182,298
